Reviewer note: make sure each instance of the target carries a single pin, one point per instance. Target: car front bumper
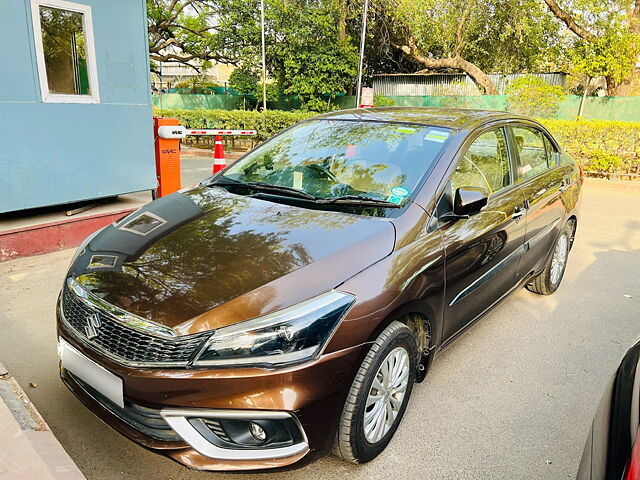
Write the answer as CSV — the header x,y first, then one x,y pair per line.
x,y
164,408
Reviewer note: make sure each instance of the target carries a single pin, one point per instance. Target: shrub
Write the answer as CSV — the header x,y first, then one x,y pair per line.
x,y
266,123
532,96
197,84
599,145
382,101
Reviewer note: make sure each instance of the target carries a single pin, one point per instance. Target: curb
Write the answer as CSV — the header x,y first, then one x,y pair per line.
x,y
53,236
613,185
28,448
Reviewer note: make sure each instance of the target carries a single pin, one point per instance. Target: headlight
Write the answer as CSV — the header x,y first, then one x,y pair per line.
x,y
286,337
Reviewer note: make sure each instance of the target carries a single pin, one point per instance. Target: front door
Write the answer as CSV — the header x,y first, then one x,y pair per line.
x,y
482,251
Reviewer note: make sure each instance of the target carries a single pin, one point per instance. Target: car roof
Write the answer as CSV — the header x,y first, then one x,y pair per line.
x,y
455,118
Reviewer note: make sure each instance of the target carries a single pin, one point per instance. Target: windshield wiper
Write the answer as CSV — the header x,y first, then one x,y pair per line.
x,y
265,187
358,200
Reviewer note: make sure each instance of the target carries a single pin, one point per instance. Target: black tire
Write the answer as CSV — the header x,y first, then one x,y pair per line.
x,y
351,443
545,283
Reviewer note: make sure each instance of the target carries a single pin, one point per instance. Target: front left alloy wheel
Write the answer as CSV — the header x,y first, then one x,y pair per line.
x,y
378,396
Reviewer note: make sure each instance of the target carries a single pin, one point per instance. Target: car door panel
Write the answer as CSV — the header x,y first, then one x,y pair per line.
x,y
543,193
482,252
482,256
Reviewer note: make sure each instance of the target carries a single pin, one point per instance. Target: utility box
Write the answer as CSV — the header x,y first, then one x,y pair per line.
x,y
75,102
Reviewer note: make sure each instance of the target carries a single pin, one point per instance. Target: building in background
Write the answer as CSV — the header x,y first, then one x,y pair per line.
x,y
439,84
170,74
75,102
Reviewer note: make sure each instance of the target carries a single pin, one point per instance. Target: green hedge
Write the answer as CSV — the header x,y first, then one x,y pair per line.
x,y
599,145
266,124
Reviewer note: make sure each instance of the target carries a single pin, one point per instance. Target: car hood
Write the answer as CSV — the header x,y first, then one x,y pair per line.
x,y
179,258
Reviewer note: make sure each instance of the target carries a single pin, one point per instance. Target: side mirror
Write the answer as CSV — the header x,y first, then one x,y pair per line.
x,y
469,200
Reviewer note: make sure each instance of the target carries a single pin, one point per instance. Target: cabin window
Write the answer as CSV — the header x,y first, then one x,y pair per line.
x,y
65,51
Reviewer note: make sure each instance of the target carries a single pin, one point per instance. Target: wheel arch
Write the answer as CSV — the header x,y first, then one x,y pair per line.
x,y
423,321
573,221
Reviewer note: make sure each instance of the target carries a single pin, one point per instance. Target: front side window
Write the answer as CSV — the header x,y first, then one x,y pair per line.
x,y
552,153
485,164
64,46
532,151
333,158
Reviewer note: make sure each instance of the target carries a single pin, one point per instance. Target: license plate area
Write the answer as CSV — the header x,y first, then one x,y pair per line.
x,y
95,375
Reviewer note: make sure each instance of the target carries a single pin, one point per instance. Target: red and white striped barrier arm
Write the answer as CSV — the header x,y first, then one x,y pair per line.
x,y
177,131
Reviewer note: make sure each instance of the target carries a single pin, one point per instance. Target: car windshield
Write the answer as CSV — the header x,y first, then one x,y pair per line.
x,y
335,158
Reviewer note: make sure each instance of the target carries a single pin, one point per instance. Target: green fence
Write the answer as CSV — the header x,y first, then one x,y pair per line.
x,y
626,109
197,101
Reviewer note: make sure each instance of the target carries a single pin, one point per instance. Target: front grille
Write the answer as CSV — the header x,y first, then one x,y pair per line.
x,y
125,344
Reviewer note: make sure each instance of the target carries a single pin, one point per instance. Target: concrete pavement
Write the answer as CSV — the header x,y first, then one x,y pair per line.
x,y
511,399
28,449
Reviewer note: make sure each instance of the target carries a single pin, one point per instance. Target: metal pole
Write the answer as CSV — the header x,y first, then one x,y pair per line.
x,y
584,96
160,83
362,37
264,61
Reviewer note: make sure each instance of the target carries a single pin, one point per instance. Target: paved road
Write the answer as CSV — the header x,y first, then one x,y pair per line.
x,y
196,165
511,399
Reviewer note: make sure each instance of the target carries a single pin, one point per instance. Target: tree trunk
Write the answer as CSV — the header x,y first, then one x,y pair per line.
x,y
612,87
342,20
624,88
479,77
569,21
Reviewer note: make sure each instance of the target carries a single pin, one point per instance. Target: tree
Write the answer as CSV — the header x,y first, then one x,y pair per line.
x,y
247,81
475,36
436,37
192,32
305,53
608,34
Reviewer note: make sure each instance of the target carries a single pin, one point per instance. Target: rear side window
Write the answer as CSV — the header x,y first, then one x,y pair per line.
x,y
533,154
485,164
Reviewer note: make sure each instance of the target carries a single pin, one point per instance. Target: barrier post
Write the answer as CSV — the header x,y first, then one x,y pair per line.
x,y
167,153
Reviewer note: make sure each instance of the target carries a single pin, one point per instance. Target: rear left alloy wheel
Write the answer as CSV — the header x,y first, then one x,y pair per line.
x,y
378,396
549,280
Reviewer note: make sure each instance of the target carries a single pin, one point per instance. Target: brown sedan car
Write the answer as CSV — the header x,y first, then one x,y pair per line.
x,y
291,302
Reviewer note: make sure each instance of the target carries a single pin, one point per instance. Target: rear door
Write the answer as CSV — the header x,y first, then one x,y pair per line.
x,y
543,179
482,251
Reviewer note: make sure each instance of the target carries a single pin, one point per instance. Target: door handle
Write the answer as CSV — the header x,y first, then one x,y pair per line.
x,y
566,183
518,213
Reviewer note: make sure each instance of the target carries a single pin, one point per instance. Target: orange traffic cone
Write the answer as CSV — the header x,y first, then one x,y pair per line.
x,y
218,157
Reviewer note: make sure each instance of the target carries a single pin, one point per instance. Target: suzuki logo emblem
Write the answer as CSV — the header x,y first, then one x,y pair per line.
x,y
92,326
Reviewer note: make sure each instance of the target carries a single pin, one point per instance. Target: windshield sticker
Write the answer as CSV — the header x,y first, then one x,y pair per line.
x,y
297,180
350,151
439,136
400,192
405,130
395,199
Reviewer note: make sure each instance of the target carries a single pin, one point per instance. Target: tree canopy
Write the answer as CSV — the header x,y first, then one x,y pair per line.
x,y
312,45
